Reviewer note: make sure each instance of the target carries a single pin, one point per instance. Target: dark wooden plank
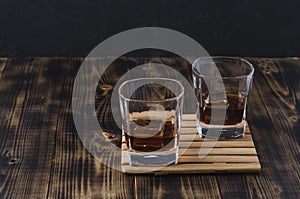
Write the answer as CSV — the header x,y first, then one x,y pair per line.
x,y
277,84
187,186
42,156
29,93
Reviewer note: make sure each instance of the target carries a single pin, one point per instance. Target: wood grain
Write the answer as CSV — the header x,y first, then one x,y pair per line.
x,y
3,63
41,155
27,128
266,116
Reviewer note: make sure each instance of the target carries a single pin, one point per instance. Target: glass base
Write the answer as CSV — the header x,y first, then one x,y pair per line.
x,y
224,131
161,158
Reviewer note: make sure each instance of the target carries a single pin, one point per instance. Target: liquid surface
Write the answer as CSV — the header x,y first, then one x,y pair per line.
x,y
234,106
150,135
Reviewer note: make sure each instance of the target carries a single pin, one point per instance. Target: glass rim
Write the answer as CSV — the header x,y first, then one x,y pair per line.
x,y
152,78
225,58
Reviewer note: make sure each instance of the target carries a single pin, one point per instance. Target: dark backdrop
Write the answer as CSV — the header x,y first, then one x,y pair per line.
x,y
73,28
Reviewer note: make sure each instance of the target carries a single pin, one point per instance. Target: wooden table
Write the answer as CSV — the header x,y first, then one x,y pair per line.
x,y
42,155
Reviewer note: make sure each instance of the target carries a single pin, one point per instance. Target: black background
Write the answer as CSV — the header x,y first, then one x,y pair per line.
x,y
74,28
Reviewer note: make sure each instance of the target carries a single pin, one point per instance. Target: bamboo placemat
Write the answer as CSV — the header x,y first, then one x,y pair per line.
x,y
227,156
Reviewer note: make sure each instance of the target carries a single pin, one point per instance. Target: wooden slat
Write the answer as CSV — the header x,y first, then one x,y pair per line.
x,y
231,155
218,144
219,159
196,168
221,151
188,117
207,159
196,137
